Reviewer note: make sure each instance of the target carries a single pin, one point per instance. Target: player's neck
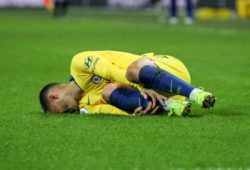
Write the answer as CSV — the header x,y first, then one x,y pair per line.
x,y
74,90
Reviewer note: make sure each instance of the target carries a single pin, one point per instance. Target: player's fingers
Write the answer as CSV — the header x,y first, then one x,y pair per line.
x,y
155,110
164,98
149,107
160,99
153,98
138,110
141,114
144,95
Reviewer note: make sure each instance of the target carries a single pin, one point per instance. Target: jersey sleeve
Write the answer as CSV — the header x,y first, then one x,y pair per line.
x,y
100,66
105,109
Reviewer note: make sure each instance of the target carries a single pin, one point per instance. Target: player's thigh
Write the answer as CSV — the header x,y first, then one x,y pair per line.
x,y
133,70
109,88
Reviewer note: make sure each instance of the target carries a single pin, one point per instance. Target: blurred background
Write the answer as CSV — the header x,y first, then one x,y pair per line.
x,y
200,9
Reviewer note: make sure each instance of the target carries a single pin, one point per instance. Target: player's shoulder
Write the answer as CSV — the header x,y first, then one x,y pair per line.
x,y
82,54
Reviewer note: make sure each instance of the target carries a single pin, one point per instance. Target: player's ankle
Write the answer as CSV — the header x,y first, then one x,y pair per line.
x,y
167,104
193,93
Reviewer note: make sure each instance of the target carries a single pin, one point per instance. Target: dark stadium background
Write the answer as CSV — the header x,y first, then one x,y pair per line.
x,y
100,3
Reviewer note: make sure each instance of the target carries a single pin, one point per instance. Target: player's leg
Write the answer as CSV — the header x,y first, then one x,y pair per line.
x,y
189,10
145,72
129,99
125,98
173,12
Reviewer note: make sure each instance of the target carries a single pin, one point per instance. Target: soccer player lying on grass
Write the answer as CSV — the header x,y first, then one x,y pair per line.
x,y
123,83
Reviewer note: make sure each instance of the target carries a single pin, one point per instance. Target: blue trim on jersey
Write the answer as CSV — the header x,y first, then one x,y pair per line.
x,y
71,78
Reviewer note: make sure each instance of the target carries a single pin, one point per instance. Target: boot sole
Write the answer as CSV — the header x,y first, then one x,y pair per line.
x,y
187,110
209,101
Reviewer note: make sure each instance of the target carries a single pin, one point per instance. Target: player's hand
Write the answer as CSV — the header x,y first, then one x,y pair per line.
x,y
148,111
154,96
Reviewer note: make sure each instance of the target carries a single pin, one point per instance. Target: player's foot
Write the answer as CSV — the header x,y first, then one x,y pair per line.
x,y
173,20
178,108
204,99
188,21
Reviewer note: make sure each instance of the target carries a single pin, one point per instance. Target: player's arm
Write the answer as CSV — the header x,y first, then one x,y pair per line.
x,y
105,109
109,109
98,65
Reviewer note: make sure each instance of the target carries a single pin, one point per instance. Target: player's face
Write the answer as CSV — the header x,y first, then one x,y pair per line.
x,y
69,105
63,103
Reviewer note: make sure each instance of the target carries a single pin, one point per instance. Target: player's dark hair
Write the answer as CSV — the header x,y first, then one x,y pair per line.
x,y
43,96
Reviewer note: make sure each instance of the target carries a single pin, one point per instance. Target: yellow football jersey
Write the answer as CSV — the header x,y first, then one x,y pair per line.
x,y
92,70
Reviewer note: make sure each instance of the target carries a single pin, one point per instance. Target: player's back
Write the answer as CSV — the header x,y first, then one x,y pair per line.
x,y
120,59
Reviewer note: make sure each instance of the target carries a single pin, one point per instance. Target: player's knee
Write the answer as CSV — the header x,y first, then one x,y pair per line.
x,y
107,90
133,70
186,77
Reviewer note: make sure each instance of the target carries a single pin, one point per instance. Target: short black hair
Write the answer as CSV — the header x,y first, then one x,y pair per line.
x,y
43,96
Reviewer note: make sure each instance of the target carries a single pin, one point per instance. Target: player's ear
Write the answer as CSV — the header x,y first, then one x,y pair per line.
x,y
53,96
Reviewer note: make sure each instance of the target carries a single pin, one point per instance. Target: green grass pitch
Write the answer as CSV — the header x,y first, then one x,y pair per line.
x,y
36,49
